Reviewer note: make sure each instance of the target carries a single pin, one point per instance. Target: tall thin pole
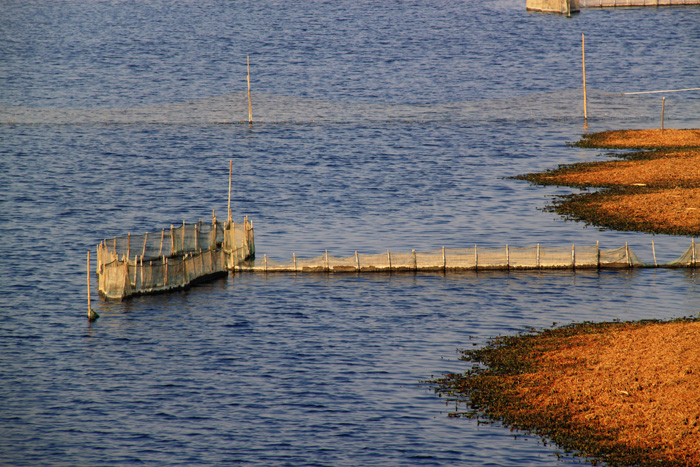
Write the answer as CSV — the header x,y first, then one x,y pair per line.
x,y
583,59
663,105
250,104
230,171
92,315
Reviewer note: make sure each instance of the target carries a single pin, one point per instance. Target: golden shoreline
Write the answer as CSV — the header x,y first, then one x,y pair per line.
x,y
620,393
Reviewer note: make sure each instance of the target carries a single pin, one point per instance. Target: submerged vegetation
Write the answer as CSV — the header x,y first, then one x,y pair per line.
x,y
654,190
624,393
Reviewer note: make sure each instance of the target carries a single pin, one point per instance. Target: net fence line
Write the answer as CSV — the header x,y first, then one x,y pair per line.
x,y
173,258
475,259
278,109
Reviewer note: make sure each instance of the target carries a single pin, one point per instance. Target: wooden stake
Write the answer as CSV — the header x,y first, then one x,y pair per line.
x,y
92,316
357,261
663,104
230,171
250,104
653,252
583,58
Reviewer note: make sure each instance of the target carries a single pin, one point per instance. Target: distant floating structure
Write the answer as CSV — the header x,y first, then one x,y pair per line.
x,y
566,7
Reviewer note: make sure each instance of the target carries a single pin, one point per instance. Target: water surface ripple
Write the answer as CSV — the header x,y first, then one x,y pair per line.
x,y
378,126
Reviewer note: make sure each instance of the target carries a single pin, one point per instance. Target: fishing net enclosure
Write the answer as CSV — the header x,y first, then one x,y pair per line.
x,y
458,259
173,258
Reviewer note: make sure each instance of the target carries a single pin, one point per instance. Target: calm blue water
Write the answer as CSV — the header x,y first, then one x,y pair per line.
x,y
379,125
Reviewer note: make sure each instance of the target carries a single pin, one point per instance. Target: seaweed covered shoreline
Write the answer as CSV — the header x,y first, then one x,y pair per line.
x,y
654,189
623,393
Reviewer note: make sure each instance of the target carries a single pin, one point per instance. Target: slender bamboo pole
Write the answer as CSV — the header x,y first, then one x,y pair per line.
x,y
230,171
583,59
692,246
388,257
653,252
145,240
663,105
573,256
357,261
92,315
250,103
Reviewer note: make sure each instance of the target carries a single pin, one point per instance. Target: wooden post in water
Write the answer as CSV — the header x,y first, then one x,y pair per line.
x,y
250,104
663,104
92,316
583,59
230,171
653,252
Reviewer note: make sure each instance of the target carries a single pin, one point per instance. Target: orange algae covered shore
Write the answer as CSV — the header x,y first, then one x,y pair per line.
x,y
655,190
623,393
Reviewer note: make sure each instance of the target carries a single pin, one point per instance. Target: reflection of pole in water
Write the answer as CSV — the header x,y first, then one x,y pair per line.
x,y
250,104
